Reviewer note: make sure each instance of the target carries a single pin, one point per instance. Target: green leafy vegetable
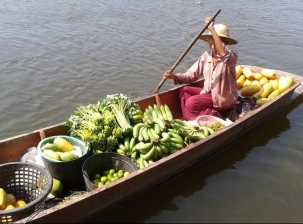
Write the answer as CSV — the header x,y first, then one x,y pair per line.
x,y
121,106
95,127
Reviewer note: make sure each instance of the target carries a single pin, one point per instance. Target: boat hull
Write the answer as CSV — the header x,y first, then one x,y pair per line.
x,y
108,197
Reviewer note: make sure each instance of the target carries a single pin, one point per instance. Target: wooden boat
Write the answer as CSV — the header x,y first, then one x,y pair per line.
x,y
110,196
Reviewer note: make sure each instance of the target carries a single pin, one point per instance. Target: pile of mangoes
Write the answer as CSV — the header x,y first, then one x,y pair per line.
x,y
263,85
60,150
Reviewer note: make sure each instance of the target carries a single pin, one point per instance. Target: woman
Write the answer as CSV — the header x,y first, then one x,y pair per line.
x,y
220,91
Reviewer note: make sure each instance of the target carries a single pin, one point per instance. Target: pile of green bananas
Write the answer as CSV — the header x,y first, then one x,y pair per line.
x,y
150,140
144,153
155,113
189,132
147,153
159,135
126,148
136,115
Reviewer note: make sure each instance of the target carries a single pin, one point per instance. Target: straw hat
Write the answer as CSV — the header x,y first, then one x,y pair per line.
x,y
223,33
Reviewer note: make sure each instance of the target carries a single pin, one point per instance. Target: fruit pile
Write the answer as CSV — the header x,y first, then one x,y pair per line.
x,y
60,150
9,201
262,86
159,135
108,176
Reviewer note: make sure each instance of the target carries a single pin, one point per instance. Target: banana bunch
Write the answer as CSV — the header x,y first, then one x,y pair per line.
x,y
136,116
152,137
189,132
141,163
172,141
126,148
155,120
146,133
157,114
145,153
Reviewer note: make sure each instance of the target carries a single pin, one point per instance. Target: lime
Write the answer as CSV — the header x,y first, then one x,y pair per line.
x,y
95,182
126,173
112,171
97,176
100,184
103,179
113,179
120,174
105,172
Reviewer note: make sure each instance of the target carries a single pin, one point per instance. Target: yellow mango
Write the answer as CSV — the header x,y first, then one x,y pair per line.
x,y
262,101
49,145
256,83
268,73
275,83
10,199
67,156
51,154
263,81
63,145
248,73
238,71
266,89
247,82
256,95
2,198
257,76
250,90
8,207
273,94
57,187
285,83
241,80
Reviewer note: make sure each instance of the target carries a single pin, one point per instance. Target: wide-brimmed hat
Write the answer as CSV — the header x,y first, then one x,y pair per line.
x,y
223,33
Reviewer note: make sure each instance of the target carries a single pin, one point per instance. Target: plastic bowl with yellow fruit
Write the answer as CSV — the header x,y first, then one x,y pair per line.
x,y
63,156
61,148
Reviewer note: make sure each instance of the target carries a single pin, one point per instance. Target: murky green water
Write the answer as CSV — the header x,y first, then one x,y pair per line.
x,y
56,55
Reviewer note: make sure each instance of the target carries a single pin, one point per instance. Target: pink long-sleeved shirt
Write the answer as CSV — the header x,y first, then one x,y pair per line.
x,y
219,80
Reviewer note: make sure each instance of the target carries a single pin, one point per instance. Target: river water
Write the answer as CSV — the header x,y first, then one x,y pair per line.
x,y
59,54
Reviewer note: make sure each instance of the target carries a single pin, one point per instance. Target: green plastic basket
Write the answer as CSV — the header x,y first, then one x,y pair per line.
x,y
69,172
79,144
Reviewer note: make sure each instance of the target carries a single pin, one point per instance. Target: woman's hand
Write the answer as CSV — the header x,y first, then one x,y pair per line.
x,y
168,75
211,25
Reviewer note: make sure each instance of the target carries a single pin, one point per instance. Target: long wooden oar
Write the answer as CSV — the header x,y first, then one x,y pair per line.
x,y
185,52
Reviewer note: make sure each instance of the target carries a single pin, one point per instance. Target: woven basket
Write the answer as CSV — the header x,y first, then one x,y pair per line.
x,y
105,161
70,172
26,181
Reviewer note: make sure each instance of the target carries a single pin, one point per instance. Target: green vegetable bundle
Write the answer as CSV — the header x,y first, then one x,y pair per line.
x,y
103,124
122,107
95,127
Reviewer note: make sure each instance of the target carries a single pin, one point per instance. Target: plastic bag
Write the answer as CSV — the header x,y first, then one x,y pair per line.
x,y
32,156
